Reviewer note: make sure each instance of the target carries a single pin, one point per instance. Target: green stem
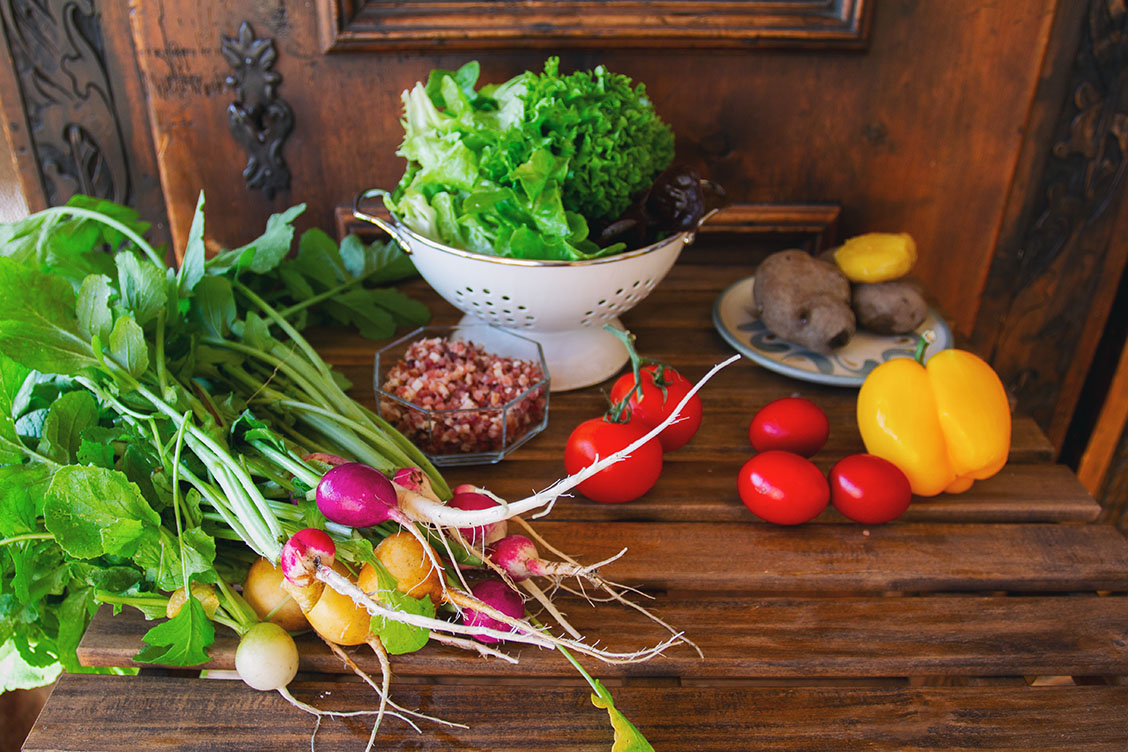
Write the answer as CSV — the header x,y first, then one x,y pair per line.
x,y
295,467
162,372
291,369
922,345
26,537
113,599
176,500
286,313
287,327
380,440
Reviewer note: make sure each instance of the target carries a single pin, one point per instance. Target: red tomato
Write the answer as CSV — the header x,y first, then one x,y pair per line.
x,y
869,489
627,479
783,487
660,395
793,424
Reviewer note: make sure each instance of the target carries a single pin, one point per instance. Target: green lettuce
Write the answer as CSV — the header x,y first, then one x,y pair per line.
x,y
523,168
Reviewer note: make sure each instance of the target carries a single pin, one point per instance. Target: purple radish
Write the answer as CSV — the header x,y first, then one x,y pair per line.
x,y
304,552
499,596
481,535
356,495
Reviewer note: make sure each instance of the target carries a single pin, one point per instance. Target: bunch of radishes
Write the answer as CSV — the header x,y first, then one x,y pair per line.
x,y
780,484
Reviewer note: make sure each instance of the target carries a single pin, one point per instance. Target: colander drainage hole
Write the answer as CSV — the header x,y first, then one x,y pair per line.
x,y
637,283
619,291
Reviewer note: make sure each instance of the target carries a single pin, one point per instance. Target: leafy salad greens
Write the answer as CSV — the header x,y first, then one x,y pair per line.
x,y
526,167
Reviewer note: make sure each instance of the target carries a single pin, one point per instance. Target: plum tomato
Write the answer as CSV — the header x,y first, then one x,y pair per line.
x,y
663,389
793,424
627,479
782,487
869,489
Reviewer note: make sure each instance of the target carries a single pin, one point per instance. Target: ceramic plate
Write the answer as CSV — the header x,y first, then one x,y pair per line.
x,y
848,366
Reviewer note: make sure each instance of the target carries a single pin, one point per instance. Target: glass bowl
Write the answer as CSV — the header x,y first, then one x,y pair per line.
x,y
470,394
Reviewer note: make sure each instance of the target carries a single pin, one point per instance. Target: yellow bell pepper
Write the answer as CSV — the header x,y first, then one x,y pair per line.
x,y
876,256
945,424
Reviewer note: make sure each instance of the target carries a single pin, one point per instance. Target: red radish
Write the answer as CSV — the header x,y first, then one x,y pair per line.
x,y
307,550
356,495
518,557
414,479
481,535
497,595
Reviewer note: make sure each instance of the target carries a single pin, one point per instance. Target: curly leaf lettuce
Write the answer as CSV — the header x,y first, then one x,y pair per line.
x,y
523,168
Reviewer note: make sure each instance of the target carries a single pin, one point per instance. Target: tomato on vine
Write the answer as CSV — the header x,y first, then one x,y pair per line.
x,y
652,392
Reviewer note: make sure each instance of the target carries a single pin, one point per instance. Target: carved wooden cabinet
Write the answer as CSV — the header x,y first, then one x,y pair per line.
x,y
994,133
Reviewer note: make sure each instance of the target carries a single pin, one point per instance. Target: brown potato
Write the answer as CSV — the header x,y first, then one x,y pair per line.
x,y
894,307
804,300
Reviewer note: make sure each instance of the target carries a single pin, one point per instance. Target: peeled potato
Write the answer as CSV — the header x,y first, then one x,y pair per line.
x,y
876,256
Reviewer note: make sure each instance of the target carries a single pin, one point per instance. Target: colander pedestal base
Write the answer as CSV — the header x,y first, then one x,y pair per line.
x,y
577,357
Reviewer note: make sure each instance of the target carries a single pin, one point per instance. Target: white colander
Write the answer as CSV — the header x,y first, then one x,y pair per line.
x,y
563,305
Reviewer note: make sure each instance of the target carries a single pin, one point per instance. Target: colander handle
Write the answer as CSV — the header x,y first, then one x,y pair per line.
x,y
690,235
380,222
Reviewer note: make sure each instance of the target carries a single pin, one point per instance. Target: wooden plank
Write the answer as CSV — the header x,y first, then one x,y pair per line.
x,y
701,490
852,559
156,713
744,638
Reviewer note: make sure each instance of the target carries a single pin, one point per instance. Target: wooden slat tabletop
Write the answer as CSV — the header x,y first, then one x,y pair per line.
x,y
993,619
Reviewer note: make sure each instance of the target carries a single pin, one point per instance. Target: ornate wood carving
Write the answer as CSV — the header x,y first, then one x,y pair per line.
x,y
349,25
59,58
1049,289
258,118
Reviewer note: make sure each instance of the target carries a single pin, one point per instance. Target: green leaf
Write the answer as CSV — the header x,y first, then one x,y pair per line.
x,y
16,673
142,286
12,378
73,413
74,613
93,511
128,347
96,446
38,327
22,489
399,638
93,307
213,301
265,252
182,640
162,561
192,267
627,737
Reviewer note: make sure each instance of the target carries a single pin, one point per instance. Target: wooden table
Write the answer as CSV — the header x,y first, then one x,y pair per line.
x,y
995,619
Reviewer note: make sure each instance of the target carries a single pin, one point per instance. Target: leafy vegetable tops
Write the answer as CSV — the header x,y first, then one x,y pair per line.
x,y
522,168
